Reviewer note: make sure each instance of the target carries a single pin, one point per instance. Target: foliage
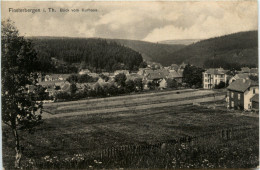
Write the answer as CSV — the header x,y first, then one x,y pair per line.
x,y
19,107
139,84
143,64
85,78
101,91
192,76
73,88
130,86
120,79
95,54
152,85
171,83
254,78
220,85
228,51
155,52
104,77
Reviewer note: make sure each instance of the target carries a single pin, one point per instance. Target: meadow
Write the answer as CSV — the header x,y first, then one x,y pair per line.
x,y
140,138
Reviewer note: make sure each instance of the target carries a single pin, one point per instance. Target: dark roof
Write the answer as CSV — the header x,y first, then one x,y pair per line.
x,y
174,74
255,98
254,70
241,85
242,76
153,76
216,71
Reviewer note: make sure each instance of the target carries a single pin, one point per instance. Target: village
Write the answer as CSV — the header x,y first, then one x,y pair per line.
x,y
123,85
241,86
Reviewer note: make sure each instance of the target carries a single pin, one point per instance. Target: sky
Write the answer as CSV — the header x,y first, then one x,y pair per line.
x,y
147,21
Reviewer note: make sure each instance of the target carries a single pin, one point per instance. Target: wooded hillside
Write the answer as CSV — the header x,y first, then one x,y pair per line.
x,y
234,50
95,54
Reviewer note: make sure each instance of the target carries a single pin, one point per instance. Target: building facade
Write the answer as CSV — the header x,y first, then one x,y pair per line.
x,y
213,77
240,94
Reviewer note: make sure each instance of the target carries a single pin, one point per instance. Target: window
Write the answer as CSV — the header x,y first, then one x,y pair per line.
x,y
206,80
249,106
222,75
253,90
238,96
232,104
232,94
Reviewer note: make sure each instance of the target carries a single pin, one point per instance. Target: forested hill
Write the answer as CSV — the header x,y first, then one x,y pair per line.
x,y
95,54
229,51
150,51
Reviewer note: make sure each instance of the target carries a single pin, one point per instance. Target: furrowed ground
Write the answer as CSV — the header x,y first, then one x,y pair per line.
x,y
90,126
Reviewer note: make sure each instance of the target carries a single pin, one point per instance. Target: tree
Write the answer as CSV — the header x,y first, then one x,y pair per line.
x,y
171,83
153,85
139,84
130,86
220,85
73,88
72,78
143,64
192,76
120,79
254,78
20,110
104,77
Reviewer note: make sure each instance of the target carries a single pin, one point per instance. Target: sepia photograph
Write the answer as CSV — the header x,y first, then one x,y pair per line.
x,y
129,84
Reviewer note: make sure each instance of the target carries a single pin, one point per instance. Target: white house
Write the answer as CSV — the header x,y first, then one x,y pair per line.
x,y
213,77
84,71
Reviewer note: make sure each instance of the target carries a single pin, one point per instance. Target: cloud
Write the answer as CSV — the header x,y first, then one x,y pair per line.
x,y
208,22
149,21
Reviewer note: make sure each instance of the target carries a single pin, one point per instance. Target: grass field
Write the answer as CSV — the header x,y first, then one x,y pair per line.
x,y
64,137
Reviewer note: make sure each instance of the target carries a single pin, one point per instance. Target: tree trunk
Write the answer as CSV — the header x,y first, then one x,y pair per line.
x,y
18,155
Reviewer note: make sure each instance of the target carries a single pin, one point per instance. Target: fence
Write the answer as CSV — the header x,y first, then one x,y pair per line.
x,y
126,150
184,152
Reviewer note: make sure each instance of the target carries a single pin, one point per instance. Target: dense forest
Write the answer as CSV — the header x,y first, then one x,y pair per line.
x,y
229,51
154,52
95,54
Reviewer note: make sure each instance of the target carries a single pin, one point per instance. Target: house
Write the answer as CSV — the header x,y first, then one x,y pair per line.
x,y
183,65
133,76
84,71
55,77
174,67
254,71
213,77
163,84
94,75
241,93
245,70
175,75
255,102
156,76
239,76
126,72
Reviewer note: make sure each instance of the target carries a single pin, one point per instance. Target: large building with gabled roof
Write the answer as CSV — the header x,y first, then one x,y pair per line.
x,y
213,77
241,93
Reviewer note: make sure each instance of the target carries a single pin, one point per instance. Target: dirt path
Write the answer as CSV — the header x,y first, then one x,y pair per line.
x,y
115,98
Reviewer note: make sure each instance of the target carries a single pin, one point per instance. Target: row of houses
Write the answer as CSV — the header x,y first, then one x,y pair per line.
x,y
58,82
242,92
213,76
